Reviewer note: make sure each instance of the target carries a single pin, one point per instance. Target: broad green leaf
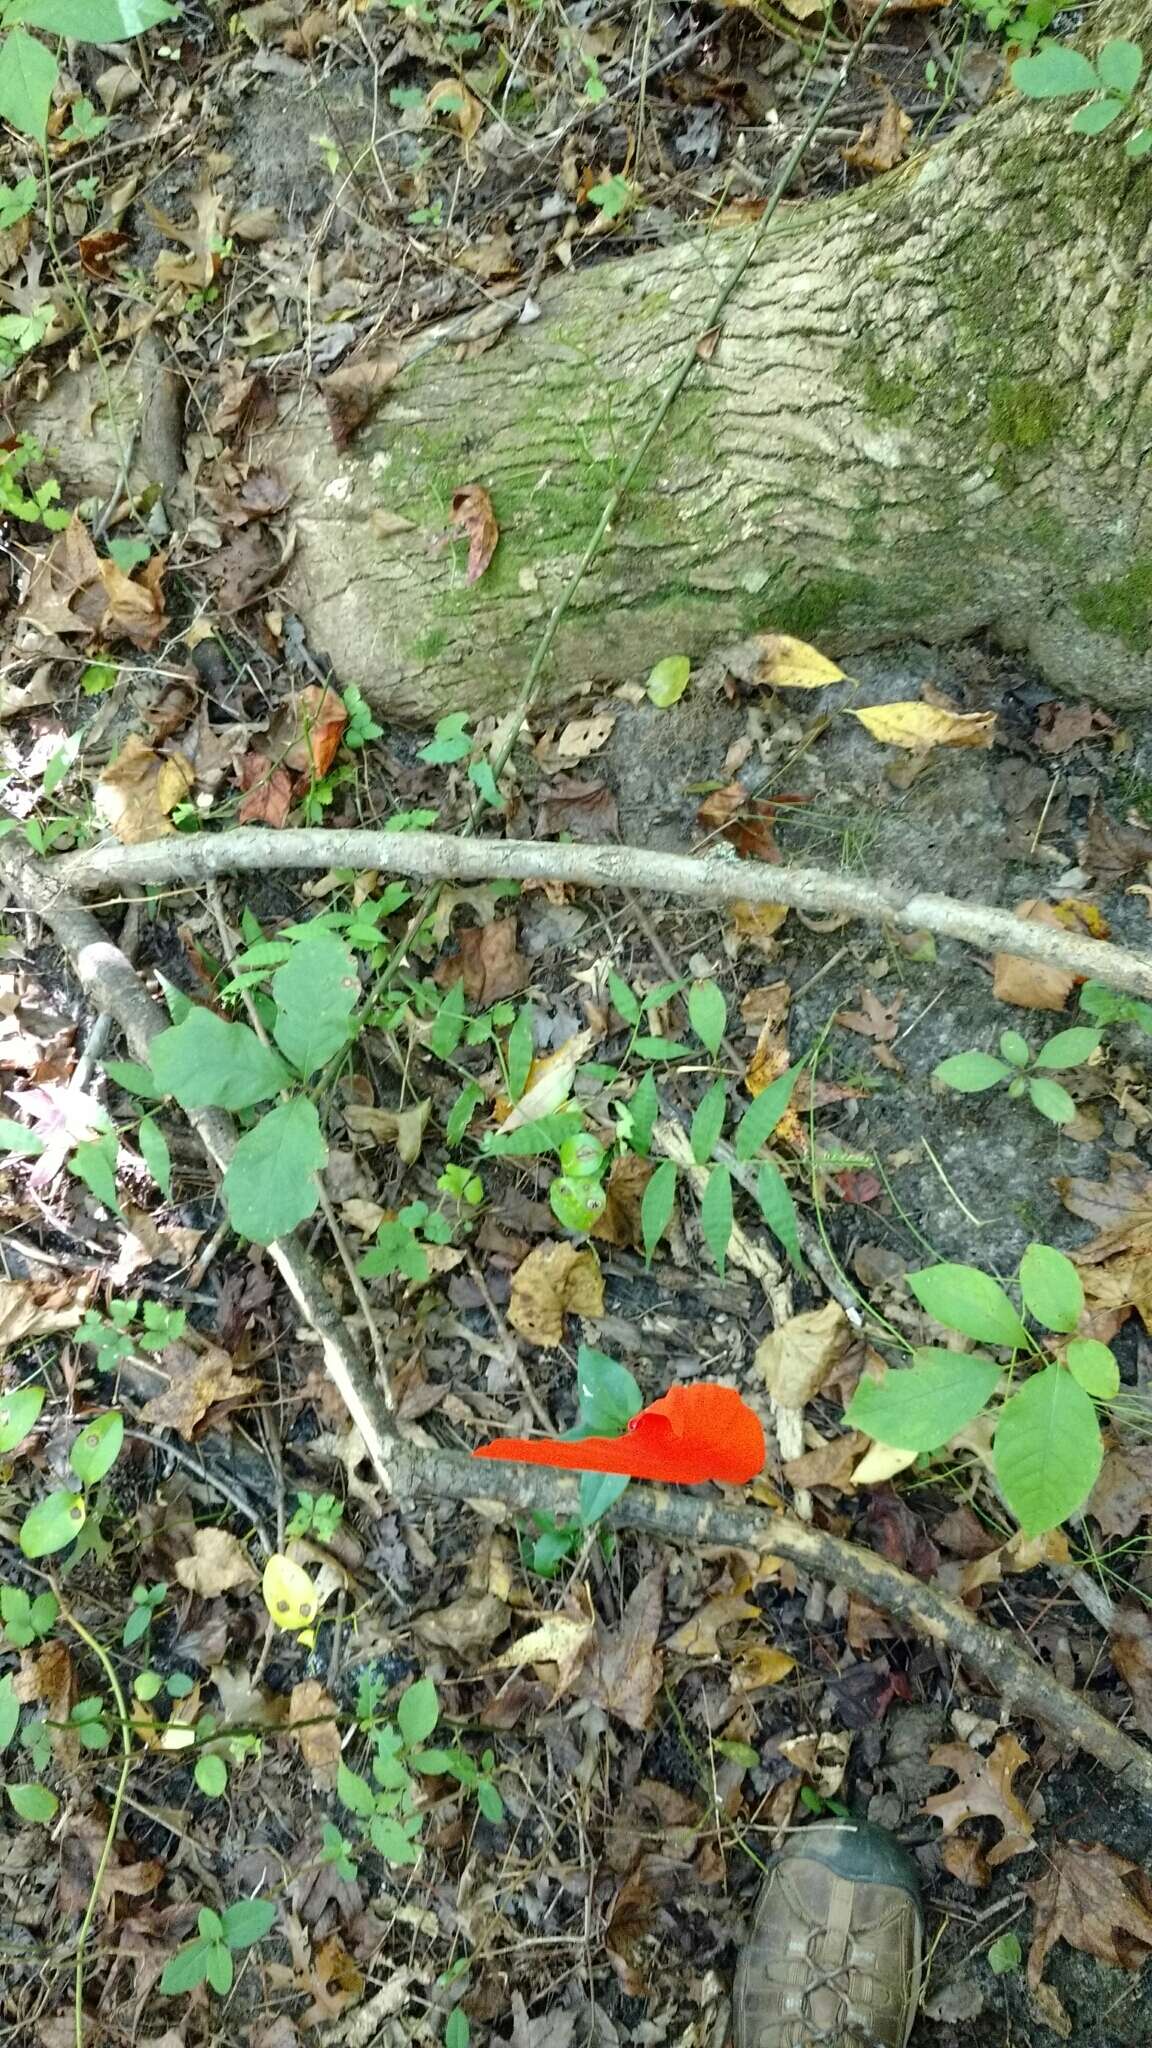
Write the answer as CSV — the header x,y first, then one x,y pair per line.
x,y
582,1156
1014,1047
519,1053
14,1138
390,1841
761,1118
1047,1453
963,1298
716,1214
1093,1365
247,1921
315,993
418,1712
33,1802
779,1210
1051,1100
707,1014
27,76
576,1204
608,1395
97,1447
211,1775
1119,65
669,680
489,1801
1050,1288
186,1969
660,1049
599,1491
1096,116
155,1154
921,1406
52,1523
93,21
1068,1048
708,1122
457,2032
542,1134
1005,1954
138,1080
1054,74
970,1073
354,1792
656,1207
94,1161
624,1002
219,1968
1139,145
462,1112
270,1185
397,1250
643,1110
18,1413
9,1710
205,1063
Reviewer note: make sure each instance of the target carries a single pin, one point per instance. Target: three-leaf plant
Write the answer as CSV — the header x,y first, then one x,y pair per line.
x,y
1024,1072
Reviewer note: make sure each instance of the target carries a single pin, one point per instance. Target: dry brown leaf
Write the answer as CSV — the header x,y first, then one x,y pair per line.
x,y
472,515
756,924
744,821
134,605
918,726
334,1982
35,1308
137,793
403,1128
770,1059
881,145
352,394
1094,1900
313,1722
489,961
563,1640
822,1759
97,250
65,594
964,1859
469,1625
699,1636
197,1380
269,792
1029,983
585,810
218,1564
1111,852
625,1670
203,237
549,1083
1122,1495
555,1280
829,1465
760,1665
984,1789
796,1358
619,1221
584,736
1131,1651
451,96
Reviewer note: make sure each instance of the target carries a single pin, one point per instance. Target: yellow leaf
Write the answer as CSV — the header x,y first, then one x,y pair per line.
x,y
553,1281
561,1640
761,1666
797,1357
549,1082
882,1462
919,726
289,1594
787,664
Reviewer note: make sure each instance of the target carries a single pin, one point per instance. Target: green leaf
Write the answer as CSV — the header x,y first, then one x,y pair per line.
x,y
542,1134
94,1162
708,1122
92,21
186,1969
1015,1048
576,1204
623,1001
136,1079
205,1063
354,1792
1068,1048
779,1210
390,1841
219,1968
53,1522
643,1110
27,76
33,1802
1094,1367
211,1775
155,1154
1047,1453
1054,73
480,772
457,2030
669,680
707,1014
247,1921
270,1185
1119,65
519,1053
1138,145
921,1406
1094,118
971,1073
656,1207
660,1049
97,1447
1050,1288
14,1138
418,1711
396,1250
608,1395
315,993
18,1413
1005,1954
761,1118
716,1214
489,1801
461,1113
9,1710
962,1298
582,1156
599,1491
1051,1100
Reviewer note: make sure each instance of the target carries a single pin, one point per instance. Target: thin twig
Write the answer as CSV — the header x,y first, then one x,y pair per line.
x,y
115,1811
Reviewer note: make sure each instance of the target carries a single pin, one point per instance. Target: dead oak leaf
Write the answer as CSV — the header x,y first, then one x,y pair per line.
x,y
352,394
1110,851
202,236
744,821
138,793
984,1789
473,516
218,1564
489,961
1094,1900
35,1308
198,1380
625,1670
555,1280
314,1724
585,810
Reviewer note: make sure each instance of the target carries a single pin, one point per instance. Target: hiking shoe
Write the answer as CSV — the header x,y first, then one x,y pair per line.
x,y
833,1952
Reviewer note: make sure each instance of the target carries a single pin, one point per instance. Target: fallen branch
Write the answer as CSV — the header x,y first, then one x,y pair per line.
x,y
413,1472
439,857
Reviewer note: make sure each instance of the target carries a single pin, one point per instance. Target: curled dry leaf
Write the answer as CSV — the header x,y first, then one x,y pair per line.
x,y
1094,1900
202,236
1029,984
469,1626
918,726
549,1081
756,924
197,1381
403,1128
352,394
619,1222
625,1670
490,962
451,96
555,1280
313,1722
822,1759
985,1789
796,1359
562,1640
882,142
97,251
35,1308
473,515
218,1564
136,795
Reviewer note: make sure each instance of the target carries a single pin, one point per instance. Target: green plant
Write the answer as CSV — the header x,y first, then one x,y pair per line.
x,y
614,196
1025,1072
1109,1006
316,1514
146,1604
59,1517
26,1618
126,1330
387,1806
1020,22
361,728
1055,72
36,503
221,1936
28,68
1046,1448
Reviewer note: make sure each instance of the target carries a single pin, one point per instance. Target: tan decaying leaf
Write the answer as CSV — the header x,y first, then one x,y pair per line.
x,y
1030,984
756,924
451,96
137,794
203,237
550,1081
562,1640
1122,1496
882,142
620,1222
473,515
760,1665
555,1280
625,1670
1096,1901
822,1759
469,1625
779,662
352,394
827,1464
796,1359
919,726
584,736
880,1463
984,1789
403,1128
313,1722
35,1308
197,1381
134,605
489,962
218,1564
699,1636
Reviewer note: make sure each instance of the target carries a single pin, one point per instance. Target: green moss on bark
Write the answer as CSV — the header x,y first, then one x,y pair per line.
x,y
1122,606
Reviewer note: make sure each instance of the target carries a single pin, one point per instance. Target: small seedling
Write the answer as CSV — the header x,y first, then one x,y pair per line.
x,y
221,1936
1022,1071
316,1514
1056,72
